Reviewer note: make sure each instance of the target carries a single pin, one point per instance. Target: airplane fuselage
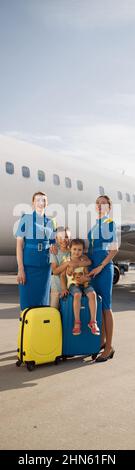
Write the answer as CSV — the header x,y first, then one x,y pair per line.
x,y
68,182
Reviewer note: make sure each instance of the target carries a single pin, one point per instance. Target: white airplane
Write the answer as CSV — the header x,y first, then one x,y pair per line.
x,y
26,168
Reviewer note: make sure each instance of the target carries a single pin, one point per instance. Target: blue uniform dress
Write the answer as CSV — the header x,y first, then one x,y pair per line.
x,y
38,233
101,235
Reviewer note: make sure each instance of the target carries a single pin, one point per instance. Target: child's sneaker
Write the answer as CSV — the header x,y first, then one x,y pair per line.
x,y
94,327
77,328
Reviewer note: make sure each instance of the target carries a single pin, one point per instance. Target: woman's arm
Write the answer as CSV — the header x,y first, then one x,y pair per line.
x,y
109,257
112,252
21,278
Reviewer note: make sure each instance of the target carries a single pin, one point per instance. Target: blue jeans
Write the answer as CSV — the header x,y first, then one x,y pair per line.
x,y
73,289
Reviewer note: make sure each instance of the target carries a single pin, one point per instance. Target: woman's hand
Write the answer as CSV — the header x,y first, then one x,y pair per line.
x,y
95,271
54,249
21,276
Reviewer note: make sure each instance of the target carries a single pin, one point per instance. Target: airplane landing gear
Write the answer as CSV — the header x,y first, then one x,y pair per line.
x,y
116,275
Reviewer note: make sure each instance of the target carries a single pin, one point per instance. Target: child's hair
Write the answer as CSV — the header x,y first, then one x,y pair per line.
x,y
77,241
63,229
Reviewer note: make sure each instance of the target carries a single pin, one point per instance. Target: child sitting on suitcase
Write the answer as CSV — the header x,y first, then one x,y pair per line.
x,y
72,280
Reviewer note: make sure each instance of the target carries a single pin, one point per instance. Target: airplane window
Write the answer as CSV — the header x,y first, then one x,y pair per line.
x,y
101,191
120,197
133,197
56,179
25,171
79,185
68,182
41,175
9,168
127,197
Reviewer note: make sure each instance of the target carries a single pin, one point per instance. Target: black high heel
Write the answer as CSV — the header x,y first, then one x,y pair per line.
x,y
95,355
104,359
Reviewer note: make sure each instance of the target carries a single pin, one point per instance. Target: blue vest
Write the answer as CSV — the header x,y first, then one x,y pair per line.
x,y
38,233
101,235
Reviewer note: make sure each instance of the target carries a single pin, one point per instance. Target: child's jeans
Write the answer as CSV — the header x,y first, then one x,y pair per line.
x,y
73,289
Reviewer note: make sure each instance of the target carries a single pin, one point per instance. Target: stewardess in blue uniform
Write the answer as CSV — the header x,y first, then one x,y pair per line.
x,y
103,247
34,235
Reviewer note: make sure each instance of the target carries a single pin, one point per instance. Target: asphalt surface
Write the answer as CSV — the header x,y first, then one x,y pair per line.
x,y
77,404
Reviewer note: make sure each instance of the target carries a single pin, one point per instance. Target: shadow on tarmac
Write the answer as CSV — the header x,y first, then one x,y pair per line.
x,y
120,301
9,313
7,352
9,291
8,358
18,378
121,295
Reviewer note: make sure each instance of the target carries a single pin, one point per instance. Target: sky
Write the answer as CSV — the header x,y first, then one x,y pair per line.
x,y
67,77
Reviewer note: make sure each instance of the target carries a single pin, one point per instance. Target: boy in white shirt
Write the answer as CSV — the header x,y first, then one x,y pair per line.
x,y
59,261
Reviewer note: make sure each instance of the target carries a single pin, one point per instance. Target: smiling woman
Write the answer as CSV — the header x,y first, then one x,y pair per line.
x,y
34,235
102,249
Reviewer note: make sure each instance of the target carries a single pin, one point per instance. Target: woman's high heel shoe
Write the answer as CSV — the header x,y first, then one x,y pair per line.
x,y
105,358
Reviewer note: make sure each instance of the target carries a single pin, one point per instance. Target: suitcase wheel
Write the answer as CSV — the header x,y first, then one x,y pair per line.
x,y
57,360
18,363
94,356
64,358
31,366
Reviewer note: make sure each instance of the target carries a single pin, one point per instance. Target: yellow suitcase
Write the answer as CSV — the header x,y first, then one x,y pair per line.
x,y
40,336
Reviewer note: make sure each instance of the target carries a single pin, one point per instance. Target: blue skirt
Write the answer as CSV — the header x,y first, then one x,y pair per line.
x,y
103,284
36,290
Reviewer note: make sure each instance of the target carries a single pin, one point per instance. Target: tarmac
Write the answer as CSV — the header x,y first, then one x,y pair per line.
x,y
78,404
